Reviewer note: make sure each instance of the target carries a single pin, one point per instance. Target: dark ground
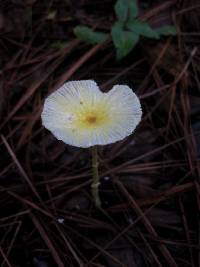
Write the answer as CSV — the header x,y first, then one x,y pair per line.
x,y
150,181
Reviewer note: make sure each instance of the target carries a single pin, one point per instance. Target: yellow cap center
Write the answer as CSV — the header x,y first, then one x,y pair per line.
x,y
92,117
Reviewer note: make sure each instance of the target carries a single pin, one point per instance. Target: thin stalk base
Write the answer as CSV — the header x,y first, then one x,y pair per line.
x,y
95,184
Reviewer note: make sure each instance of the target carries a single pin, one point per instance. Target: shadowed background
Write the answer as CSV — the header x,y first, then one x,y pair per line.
x,y
149,181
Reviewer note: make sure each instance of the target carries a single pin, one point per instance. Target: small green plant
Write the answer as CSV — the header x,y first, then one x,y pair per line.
x,y
126,31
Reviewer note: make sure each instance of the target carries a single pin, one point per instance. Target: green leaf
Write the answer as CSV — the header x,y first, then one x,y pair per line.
x,y
142,28
133,9
124,41
121,10
126,9
167,30
88,35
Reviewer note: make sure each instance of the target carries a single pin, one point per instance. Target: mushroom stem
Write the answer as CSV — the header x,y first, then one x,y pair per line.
x,y
95,184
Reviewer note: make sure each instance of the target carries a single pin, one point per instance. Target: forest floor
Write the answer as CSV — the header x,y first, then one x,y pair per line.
x,y
150,189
